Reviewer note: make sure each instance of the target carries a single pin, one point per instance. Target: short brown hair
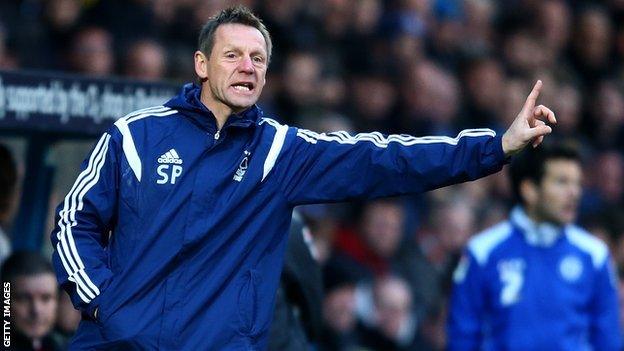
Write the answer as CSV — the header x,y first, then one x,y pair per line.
x,y
25,264
238,15
531,163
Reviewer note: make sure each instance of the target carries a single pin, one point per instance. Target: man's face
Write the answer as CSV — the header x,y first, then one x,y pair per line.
x,y
382,227
339,309
236,67
392,306
559,192
34,303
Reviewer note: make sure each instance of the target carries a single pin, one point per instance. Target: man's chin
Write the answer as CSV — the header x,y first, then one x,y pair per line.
x,y
563,219
238,105
35,334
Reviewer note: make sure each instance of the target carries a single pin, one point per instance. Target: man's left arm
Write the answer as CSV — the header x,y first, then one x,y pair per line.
x,y
339,166
605,328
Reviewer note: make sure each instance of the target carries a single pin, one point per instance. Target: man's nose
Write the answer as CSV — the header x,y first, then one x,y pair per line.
x,y
35,310
246,65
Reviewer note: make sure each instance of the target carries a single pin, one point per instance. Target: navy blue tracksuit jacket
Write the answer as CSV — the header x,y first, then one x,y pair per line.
x,y
176,230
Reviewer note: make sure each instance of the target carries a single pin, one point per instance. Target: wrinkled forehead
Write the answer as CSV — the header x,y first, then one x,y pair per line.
x,y
240,36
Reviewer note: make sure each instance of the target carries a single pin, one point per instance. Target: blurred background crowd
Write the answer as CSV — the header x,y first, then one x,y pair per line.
x,y
420,67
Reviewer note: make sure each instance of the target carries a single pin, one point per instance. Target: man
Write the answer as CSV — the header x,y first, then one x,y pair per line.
x,y
390,323
8,185
34,298
297,317
173,236
339,313
537,281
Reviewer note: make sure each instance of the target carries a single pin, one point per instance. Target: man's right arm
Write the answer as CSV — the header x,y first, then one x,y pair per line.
x,y
82,224
465,320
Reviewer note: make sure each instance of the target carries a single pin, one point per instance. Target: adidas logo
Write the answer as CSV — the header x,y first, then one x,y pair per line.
x,y
169,169
170,157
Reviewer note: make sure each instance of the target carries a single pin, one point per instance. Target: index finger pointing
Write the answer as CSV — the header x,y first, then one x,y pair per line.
x,y
532,98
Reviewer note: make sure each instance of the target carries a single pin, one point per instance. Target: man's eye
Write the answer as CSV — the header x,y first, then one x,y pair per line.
x,y
230,55
258,59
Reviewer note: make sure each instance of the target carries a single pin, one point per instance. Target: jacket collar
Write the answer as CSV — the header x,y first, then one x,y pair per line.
x,y
535,234
188,103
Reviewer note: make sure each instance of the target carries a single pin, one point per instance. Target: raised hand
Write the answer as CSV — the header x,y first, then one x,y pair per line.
x,y
529,126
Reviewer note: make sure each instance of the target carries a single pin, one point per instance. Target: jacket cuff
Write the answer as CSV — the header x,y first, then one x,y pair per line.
x,y
498,150
90,309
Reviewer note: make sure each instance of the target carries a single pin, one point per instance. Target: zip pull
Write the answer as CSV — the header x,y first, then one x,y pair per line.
x,y
217,135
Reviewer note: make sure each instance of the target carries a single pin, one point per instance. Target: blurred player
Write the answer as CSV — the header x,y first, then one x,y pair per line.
x,y
537,281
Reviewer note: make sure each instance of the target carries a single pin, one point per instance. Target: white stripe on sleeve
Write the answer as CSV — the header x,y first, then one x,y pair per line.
x,y
67,250
380,141
276,147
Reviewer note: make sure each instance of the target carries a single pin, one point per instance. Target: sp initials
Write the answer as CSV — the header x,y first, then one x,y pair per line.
x,y
168,173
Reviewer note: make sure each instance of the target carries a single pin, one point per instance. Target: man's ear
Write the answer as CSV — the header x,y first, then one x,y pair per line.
x,y
529,192
201,65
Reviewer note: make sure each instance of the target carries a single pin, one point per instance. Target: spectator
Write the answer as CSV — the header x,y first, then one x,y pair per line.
x,y
7,61
369,249
91,52
592,44
289,26
300,95
8,187
374,102
431,99
568,106
378,248
512,93
478,33
484,86
146,60
523,53
432,332
390,324
605,118
605,183
339,309
450,224
536,281
124,21
555,21
34,302
553,27
62,18
297,320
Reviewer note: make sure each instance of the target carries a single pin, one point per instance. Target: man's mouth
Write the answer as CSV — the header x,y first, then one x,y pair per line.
x,y
243,86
